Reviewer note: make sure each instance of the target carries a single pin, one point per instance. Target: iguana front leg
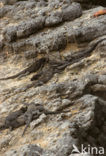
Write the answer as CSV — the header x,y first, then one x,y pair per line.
x,y
28,120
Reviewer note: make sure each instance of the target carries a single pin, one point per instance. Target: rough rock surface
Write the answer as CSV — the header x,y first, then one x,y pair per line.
x,y
71,78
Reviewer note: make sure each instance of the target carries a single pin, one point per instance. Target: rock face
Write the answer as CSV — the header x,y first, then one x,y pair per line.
x,y
57,51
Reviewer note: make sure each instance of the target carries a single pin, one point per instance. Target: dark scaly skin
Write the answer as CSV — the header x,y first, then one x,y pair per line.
x,y
77,56
25,115
11,121
34,67
84,53
34,111
56,67
27,123
59,67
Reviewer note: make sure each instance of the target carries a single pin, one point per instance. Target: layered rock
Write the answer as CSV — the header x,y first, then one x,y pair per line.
x,y
72,78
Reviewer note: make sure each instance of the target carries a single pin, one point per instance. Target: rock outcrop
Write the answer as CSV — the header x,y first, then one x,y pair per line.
x,y
52,53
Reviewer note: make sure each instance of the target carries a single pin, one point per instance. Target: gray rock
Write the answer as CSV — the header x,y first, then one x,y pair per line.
x,y
5,141
23,29
28,150
30,54
71,12
53,19
55,29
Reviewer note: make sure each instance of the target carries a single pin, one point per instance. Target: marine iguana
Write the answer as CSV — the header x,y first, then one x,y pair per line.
x,y
83,53
57,67
11,121
34,111
25,115
33,68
